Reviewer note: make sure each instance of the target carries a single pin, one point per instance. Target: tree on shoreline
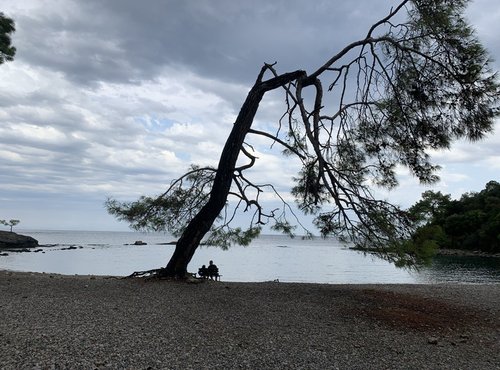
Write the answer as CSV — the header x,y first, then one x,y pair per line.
x,y
7,27
417,81
11,223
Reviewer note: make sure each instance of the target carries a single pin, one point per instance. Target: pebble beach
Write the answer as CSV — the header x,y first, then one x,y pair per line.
x,y
85,322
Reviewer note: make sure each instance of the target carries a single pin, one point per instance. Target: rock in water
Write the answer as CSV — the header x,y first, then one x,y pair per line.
x,y
12,240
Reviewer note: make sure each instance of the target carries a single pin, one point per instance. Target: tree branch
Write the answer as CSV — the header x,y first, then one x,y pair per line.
x,y
278,140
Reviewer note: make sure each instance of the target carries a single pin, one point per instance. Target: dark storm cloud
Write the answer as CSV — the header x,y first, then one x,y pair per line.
x,y
485,17
128,40
85,53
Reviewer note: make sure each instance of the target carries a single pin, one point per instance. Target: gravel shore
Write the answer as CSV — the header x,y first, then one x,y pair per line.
x,y
82,322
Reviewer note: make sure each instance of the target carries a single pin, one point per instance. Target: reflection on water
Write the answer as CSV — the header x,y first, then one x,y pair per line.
x,y
465,269
267,258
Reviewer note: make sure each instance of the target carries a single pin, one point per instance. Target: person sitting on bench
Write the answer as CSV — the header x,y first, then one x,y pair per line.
x,y
202,271
212,271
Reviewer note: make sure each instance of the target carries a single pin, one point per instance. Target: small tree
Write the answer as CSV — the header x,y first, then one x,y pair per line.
x,y
7,27
417,81
11,223
431,208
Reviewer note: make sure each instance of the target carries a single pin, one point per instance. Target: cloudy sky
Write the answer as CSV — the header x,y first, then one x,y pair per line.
x,y
117,97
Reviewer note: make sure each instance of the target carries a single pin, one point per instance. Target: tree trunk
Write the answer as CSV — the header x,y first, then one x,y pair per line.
x,y
201,223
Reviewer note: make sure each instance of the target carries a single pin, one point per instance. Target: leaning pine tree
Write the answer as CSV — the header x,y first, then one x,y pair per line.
x,y
418,80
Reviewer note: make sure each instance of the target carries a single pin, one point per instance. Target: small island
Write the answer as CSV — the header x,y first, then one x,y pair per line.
x,y
11,240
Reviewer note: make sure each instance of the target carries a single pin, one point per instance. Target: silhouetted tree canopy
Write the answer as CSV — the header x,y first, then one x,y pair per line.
x,y
417,81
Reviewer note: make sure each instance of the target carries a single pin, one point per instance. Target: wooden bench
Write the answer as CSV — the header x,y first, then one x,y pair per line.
x,y
209,274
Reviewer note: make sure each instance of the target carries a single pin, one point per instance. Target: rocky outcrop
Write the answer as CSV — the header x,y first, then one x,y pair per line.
x,y
12,240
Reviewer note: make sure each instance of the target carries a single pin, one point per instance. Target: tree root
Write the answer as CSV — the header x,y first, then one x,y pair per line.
x,y
160,274
155,273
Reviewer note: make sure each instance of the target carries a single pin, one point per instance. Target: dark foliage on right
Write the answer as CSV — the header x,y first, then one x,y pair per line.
x,y
470,223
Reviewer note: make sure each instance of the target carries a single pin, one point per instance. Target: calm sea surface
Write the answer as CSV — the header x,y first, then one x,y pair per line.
x,y
270,257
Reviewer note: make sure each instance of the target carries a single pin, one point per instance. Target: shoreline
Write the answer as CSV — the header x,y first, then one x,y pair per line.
x,y
196,280
63,321
465,253
444,252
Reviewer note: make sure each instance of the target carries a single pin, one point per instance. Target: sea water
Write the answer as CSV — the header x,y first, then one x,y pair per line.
x,y
268,258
